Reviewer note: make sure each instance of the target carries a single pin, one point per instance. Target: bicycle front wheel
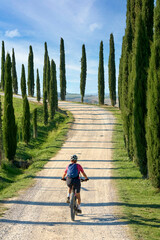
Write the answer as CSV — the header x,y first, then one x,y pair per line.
x,y
72,205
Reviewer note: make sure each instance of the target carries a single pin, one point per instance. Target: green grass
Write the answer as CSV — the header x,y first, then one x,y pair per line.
x,y
38,151
139,201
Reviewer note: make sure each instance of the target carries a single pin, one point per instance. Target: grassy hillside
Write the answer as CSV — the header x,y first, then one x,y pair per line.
x,y
140,202
37,152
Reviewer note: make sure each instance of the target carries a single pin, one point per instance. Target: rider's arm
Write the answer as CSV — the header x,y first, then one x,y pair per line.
x,y
83,173
65,173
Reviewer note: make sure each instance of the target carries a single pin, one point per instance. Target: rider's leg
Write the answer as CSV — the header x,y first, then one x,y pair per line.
x,y
78,198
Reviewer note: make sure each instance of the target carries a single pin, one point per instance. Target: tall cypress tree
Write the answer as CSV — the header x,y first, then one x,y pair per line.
x,y
127,45
35,123
38,87
112,72
83,72
9,125
45,67
52,97
55,87
62,71
3,66
30,73
101,75
23,81
48,79
139,74
26,121
120,75
1,134
14,74
153,104
45,108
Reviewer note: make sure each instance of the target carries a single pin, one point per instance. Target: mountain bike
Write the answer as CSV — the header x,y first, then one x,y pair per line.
x,y
73,202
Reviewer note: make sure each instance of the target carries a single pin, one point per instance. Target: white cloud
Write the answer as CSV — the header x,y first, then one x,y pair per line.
x,y
94,26
12,33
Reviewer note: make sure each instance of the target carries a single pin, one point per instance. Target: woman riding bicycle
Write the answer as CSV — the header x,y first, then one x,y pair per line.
x,y
73,180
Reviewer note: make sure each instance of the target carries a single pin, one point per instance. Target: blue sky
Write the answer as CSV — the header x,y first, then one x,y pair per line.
x,y
32,22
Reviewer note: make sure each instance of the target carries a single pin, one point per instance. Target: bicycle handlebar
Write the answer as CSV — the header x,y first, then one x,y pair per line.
x,y
82,180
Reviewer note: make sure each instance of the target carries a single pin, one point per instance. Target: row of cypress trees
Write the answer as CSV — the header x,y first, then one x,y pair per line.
x,y
138,86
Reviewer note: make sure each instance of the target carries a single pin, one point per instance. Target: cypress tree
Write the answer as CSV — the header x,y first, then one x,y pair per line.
x,y
26,121
112,72
120,75
30,73
38,87
14,74
83,73
48,78
45,108
127,44
139,75
62,71
9,125
3,66
55,87
153,104
101,76
1,134
52,97
45,67
35,123
23,81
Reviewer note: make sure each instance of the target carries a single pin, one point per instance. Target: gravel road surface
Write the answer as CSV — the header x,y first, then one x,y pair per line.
x,y
41,212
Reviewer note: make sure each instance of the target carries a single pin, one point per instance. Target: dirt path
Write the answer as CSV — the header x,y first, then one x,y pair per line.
x,y
41,212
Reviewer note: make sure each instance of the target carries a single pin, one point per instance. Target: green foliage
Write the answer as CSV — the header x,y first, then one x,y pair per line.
x,y
147,14
120,75
83,72
45,108
62,71
101,75
52,95
30,73
55,87
14,74
112,72
45,67
26,121
139,75
38,87
1,134
9,125
48,79
153,104
23,81
3,66
35,123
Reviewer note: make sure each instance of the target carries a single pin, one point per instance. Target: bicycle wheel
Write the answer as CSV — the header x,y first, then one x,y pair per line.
x,y
72,205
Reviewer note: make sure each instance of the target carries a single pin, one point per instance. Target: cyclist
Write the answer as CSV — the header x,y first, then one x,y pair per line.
x,y
72,171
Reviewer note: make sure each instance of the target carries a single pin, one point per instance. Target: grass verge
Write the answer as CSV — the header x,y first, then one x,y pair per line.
x,y
38,151
139,200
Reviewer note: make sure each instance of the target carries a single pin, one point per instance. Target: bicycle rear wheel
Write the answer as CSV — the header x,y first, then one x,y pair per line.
x,y
72,205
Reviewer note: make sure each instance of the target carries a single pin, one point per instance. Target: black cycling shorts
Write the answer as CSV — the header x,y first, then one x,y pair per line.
x,y
75,182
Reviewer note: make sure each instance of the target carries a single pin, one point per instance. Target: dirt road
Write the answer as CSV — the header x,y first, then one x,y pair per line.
x,y
41,212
